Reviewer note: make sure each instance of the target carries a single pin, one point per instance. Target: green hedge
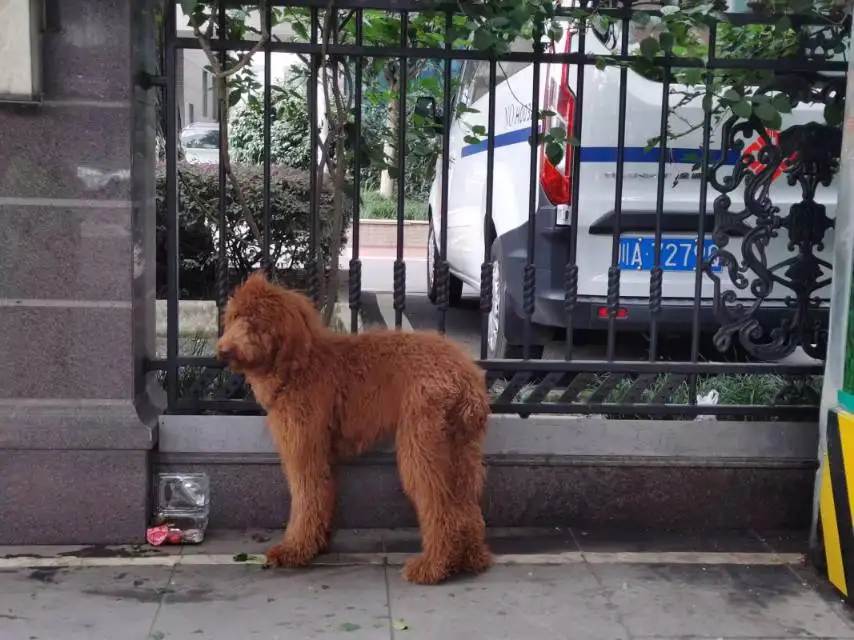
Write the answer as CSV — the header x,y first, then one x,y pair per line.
x,y
198,209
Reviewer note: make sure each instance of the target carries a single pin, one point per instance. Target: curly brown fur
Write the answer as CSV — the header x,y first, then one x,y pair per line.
x,y
329,396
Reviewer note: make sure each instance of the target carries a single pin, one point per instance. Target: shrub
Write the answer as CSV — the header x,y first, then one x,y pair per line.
x,y
198,210
290,132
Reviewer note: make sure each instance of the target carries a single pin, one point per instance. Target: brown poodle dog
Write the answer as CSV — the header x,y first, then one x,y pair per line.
x,y
330,396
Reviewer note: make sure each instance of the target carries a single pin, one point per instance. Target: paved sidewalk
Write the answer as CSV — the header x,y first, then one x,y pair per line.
x,y
746,590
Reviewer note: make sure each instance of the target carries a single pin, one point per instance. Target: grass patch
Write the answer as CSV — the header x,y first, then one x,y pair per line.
x,y
376,207
764,390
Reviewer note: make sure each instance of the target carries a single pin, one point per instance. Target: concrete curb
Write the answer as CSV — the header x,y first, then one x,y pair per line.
x,y
398,559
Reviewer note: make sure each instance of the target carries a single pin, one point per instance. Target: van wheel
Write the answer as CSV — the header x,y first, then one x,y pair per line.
x,y
455,285
497,345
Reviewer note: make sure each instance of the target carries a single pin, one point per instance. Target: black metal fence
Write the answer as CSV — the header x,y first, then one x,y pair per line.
x,y
761,323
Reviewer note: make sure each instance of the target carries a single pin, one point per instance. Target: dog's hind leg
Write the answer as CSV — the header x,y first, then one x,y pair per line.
x,y
474,555
450,530
469,415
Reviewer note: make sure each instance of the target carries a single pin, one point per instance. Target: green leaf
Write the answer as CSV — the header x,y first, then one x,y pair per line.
x,y
349,627
732,96
240,557
482,39
478,130
554,152
742,109
462,108
693,76
234,97
188,6
766,112
547,113
601,63
649,47
667,40
776,121
300,30
399,625
781,103
557,134
669,10
469,139
833,114
555,33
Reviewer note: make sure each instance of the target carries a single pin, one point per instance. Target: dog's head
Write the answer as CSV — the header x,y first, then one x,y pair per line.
x,y
266,328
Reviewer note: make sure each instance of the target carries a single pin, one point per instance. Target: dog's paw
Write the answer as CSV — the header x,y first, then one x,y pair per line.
x,y
421,570
477,559
284,555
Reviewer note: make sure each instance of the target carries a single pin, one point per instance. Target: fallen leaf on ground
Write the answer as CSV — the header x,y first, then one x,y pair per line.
x,y
241,557
399,625
349,626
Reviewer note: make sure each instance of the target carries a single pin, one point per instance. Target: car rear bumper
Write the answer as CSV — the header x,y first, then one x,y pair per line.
x,y
550,308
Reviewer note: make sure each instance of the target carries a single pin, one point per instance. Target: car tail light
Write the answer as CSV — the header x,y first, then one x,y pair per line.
x,y
556,180
621,313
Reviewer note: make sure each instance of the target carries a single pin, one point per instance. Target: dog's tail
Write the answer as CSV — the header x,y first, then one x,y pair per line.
x,y
471,410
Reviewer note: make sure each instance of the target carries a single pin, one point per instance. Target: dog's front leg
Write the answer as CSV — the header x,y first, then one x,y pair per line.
x,y
312,486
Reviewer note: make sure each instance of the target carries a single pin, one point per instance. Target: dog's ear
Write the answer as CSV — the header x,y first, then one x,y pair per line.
x,y
300,327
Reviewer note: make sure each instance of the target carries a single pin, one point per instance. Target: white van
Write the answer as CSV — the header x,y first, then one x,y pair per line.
x,y
596,218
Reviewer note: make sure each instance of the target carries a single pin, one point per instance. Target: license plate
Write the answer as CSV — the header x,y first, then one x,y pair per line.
x,y
677,254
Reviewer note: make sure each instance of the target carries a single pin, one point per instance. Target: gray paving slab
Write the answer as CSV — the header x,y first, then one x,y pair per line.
x,y
723,601
513,602
231,602
80,604
507,603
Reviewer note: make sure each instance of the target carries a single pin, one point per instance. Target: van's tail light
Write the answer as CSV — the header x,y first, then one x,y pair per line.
x,y
556,179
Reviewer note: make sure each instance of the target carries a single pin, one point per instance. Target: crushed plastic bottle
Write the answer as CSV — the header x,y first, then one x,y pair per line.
x,y
182,508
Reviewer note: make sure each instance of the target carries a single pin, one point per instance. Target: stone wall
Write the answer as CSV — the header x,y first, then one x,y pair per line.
x,y
77,422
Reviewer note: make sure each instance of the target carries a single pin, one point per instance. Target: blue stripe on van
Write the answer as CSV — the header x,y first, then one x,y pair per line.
x,y
605,154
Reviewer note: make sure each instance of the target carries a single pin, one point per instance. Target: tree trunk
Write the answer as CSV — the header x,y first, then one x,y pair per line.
x,y
387,183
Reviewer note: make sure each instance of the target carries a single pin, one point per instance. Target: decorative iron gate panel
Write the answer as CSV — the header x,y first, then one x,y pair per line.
x,y
754,265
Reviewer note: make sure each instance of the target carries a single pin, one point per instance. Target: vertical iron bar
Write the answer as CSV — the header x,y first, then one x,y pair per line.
x,y
222,118
530,273
656,275
355,272
268,81
443,273
314,218
614,269
701,222
399,263
571,271
486,267
172,251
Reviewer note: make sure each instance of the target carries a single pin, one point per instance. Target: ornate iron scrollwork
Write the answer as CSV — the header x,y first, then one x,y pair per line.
x,y
808,156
